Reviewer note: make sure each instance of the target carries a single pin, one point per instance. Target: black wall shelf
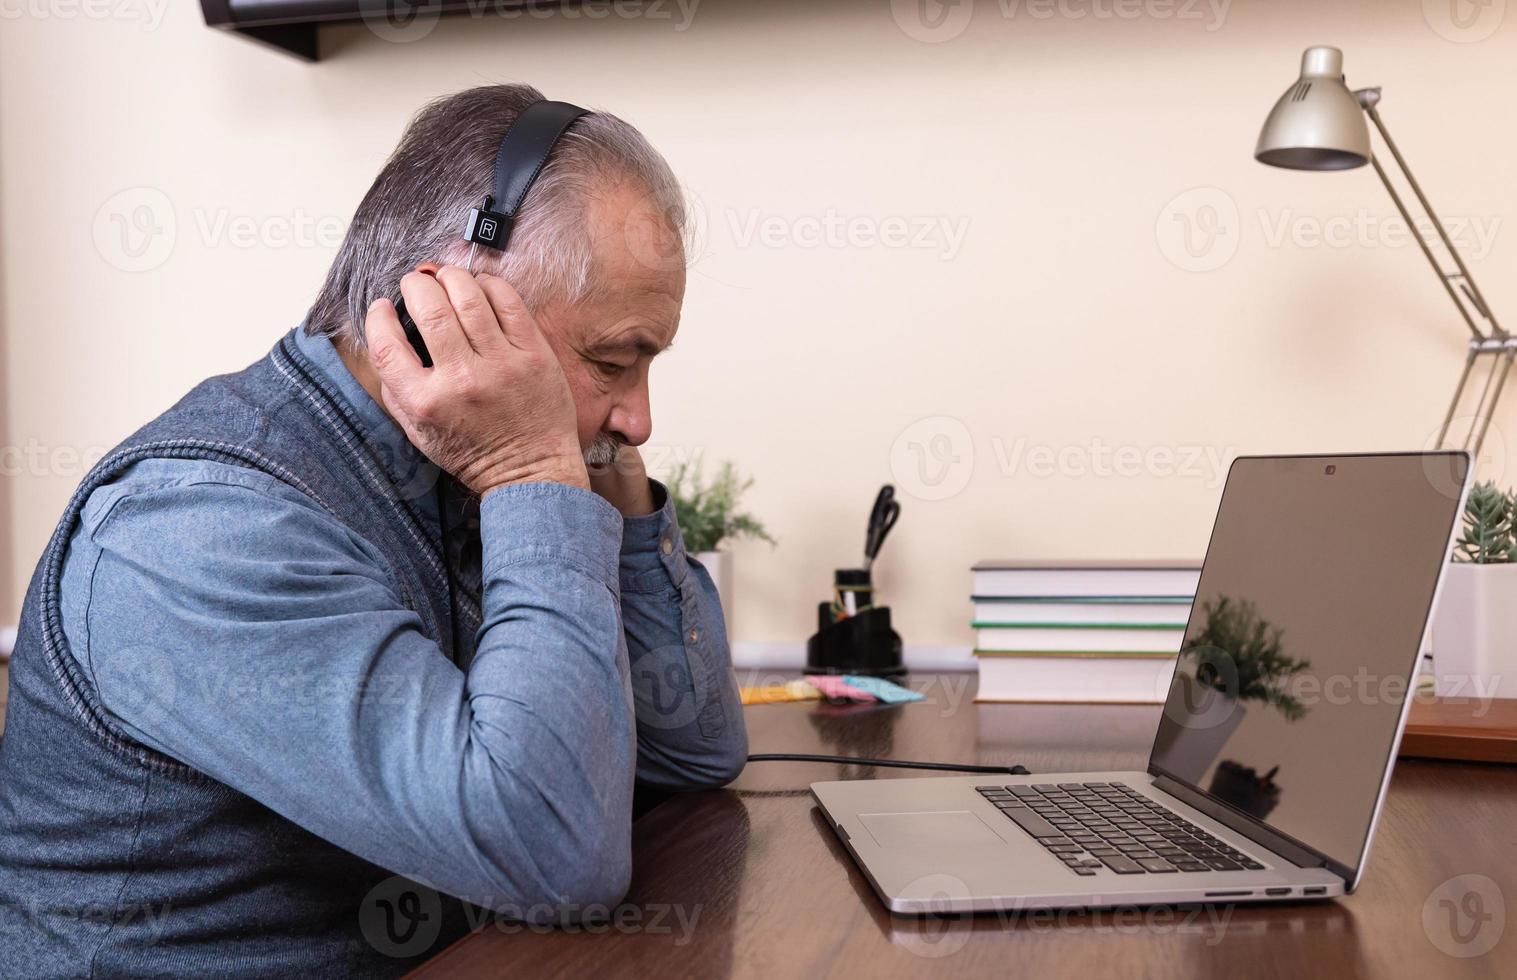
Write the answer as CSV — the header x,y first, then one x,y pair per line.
x,y
291,25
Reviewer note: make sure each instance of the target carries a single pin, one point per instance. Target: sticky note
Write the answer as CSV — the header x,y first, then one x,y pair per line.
x,y
833,686
886,691
779,693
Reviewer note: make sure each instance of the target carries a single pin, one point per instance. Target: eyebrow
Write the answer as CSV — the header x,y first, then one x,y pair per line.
x,y
640,344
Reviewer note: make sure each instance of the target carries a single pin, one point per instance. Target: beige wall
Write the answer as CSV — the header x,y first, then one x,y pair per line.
x,y
1052,315
9,602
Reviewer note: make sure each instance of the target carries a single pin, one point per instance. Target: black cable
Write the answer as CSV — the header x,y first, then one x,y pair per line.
x,y
895,763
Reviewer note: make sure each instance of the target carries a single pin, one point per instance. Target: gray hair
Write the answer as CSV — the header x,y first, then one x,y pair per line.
x,y
415,210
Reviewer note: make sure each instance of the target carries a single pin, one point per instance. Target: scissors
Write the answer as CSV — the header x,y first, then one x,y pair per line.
x,y
881,519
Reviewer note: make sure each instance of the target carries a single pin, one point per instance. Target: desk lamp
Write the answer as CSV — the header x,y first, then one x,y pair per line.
x,y
1318,124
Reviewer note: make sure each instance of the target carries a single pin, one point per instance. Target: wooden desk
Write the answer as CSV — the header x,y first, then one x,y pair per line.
x,y
772,892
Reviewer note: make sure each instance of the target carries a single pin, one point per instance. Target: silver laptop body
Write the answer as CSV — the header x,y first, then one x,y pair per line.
x,y
1272,756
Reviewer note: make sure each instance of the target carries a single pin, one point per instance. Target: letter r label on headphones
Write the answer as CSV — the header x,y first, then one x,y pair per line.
x,y
488,228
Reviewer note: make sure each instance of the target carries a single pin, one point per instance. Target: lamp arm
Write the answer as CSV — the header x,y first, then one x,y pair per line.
x,y
1476,298
1495,341
1475,295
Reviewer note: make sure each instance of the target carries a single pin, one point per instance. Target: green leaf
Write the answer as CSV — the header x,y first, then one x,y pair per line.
x,y
1249,650
707,512
1487,534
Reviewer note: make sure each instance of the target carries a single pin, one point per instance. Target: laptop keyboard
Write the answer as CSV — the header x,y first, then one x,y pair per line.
x,y
1090,826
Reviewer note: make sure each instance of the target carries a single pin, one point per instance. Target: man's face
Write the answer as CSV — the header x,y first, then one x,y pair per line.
x,y
606,342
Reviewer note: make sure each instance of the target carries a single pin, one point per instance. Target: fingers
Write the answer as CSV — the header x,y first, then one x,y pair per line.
x,y
430,307
511,313
473,309
399,368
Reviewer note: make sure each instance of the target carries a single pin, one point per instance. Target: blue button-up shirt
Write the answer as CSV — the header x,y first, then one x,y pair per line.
x,y
504,779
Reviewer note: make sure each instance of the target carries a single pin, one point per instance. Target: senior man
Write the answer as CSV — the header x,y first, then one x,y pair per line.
x,y
339,630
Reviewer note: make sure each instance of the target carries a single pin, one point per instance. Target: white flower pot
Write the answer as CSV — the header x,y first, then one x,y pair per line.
x,y
1475,631
719,564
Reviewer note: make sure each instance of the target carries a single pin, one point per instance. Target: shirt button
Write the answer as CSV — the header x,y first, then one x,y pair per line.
x,y
694,634
666,546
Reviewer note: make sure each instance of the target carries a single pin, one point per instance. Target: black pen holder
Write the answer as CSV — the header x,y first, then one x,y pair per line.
x,y
862,643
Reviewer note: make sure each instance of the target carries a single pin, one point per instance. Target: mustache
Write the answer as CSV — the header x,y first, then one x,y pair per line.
x,y
603,450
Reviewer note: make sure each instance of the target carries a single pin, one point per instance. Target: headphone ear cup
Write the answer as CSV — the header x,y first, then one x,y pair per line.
x,y
413,335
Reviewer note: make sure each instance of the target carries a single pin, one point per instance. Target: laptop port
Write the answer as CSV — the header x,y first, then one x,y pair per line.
x,y
1315,890
1228,894
1277,891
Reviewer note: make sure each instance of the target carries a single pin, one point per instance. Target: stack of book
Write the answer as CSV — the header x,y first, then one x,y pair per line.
x,y
1080,631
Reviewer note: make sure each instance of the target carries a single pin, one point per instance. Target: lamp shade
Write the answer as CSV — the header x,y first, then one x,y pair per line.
x,y
1317,124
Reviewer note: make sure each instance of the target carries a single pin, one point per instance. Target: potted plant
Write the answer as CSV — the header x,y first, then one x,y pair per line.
x,y
708,515
1475,624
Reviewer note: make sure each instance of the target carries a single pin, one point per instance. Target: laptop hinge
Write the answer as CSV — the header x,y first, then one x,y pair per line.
x,y
1292,850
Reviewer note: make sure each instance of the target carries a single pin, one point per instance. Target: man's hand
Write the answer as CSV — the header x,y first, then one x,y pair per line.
x,y
624,483
494,409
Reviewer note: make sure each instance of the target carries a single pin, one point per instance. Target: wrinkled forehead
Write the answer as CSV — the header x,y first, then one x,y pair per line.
x,y
635,243
638,276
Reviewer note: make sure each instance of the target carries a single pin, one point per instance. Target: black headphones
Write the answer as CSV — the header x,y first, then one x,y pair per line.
x,y
523,153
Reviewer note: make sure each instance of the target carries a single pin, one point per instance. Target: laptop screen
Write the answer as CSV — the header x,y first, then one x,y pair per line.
x,y
1304,638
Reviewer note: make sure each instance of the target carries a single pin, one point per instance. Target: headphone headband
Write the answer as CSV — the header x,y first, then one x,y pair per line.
x,y
523,153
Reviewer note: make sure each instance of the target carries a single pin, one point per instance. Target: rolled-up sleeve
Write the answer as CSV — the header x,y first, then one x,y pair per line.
x,y
690,732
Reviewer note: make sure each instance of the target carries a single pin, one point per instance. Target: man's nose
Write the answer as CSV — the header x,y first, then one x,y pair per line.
x,y
631,418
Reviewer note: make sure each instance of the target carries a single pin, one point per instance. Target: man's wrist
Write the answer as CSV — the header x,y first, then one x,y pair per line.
x,y
625,484
645,534
633,500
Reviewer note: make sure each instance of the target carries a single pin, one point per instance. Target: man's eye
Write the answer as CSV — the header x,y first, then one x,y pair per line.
x,y
610,369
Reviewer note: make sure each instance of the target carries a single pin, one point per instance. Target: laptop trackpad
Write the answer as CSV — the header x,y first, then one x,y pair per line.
x,y
935,828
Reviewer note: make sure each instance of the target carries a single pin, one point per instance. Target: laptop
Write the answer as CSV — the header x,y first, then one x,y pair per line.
x,y
1277,737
